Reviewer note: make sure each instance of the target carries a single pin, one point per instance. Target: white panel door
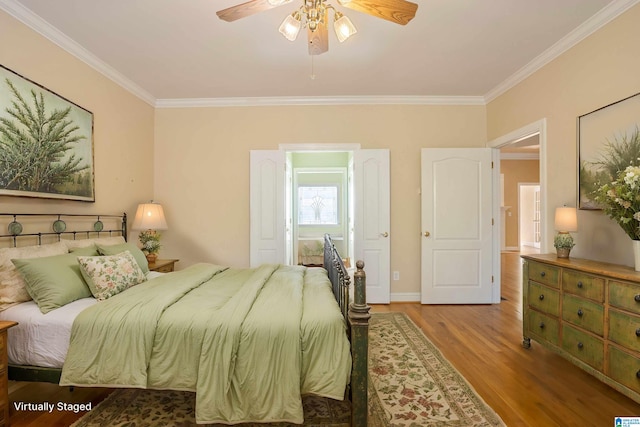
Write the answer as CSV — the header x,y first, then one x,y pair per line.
x,y
267,216
457,240
373,221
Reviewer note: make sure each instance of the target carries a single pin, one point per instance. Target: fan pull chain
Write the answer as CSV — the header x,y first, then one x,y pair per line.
x,y
313,74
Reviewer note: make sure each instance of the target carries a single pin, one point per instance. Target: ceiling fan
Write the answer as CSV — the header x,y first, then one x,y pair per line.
x,y
314,14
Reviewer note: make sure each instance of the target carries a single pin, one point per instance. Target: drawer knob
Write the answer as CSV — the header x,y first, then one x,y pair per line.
x,y
638,332
541,325
542,273
580,345
580,285
580,312
541,297
638,374
637,298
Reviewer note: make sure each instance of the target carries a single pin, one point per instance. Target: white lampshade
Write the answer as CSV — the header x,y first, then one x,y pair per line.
x,y
149,216
566,219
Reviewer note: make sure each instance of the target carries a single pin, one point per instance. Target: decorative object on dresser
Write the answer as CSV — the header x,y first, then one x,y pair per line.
x,y
163,265
589,313
150,218
4,394
620,201
566,221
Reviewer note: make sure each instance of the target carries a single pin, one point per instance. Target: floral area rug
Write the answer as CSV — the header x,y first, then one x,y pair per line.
x,y
410,384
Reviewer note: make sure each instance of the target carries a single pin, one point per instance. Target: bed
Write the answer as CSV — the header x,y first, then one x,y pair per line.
x,y
208,329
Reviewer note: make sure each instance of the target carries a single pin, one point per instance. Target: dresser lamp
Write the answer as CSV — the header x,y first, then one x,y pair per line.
x,y
149,219
566,222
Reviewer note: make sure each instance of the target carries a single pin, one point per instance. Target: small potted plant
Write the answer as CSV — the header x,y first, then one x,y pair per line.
x,y
150,244
563,243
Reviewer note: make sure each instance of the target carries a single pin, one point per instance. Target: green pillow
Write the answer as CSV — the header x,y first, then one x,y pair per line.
x,y
141,259
54,281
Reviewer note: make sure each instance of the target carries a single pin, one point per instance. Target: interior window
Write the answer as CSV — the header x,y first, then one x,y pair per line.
x,y
318,205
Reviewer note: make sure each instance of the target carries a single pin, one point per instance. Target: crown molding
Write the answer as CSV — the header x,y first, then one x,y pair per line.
x,y
593,24
319,100
37,24
42,27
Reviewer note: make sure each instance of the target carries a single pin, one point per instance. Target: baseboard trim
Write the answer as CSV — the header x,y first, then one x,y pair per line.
x,y
405,297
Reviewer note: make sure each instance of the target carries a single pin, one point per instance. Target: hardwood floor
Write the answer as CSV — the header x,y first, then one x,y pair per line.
x,y
533,387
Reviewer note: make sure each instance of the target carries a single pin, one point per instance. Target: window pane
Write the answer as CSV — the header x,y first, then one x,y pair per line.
x,y
317,205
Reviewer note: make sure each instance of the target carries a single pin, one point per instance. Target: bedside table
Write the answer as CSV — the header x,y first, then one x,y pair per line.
x,y
4,388
163,265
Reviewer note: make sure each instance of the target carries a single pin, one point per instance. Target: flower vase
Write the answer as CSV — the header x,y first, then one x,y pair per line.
x,y
636,254
151,258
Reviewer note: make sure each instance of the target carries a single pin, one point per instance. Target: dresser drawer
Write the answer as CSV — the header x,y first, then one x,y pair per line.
x,y
544,273
624,368
582,284
544,299
543,327
625,295
583,313
585,347
624,329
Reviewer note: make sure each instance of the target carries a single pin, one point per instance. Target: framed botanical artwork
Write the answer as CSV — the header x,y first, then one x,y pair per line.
x,y
608,142
46,142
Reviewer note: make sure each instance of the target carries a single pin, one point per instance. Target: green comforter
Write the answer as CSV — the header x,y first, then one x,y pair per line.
x,y
249,342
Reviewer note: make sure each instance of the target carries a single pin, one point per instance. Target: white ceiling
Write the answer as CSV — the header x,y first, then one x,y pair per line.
x,y
169,50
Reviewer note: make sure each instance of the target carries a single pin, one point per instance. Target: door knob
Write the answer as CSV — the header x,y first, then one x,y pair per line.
x,y
385,234
427,234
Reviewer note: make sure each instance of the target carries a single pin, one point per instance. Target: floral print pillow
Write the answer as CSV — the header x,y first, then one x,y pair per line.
x,y
109,275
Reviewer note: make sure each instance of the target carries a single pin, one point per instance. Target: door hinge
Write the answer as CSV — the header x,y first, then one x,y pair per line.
x,y
491,279
491,164
492,222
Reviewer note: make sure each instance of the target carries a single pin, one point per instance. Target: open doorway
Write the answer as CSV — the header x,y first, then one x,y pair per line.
x,y
529,218
521,207
320,201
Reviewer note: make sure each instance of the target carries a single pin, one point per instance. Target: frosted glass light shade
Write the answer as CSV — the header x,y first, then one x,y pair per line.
x,y
149,216
290,27
343,27
566,219
278,2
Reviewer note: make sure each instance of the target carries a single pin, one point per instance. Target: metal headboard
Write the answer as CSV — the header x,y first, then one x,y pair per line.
x,y
58,226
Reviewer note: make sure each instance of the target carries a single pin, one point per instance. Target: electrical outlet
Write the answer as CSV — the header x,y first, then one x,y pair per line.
x,y
396,275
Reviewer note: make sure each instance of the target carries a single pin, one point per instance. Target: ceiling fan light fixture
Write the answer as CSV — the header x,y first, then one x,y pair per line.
x,y
277,2
290,27
343,27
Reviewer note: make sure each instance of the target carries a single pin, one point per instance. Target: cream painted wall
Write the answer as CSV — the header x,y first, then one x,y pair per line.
x,y
515,172
202,169
596,72
123,124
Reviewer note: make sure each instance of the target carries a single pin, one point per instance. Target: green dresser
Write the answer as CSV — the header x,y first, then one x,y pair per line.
x,y
587,312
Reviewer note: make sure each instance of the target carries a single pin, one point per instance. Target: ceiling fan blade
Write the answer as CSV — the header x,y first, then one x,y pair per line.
x,y
318,39
398,11
243,10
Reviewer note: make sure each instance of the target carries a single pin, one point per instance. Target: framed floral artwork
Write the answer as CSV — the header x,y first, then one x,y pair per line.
x,y
608,142
46,142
